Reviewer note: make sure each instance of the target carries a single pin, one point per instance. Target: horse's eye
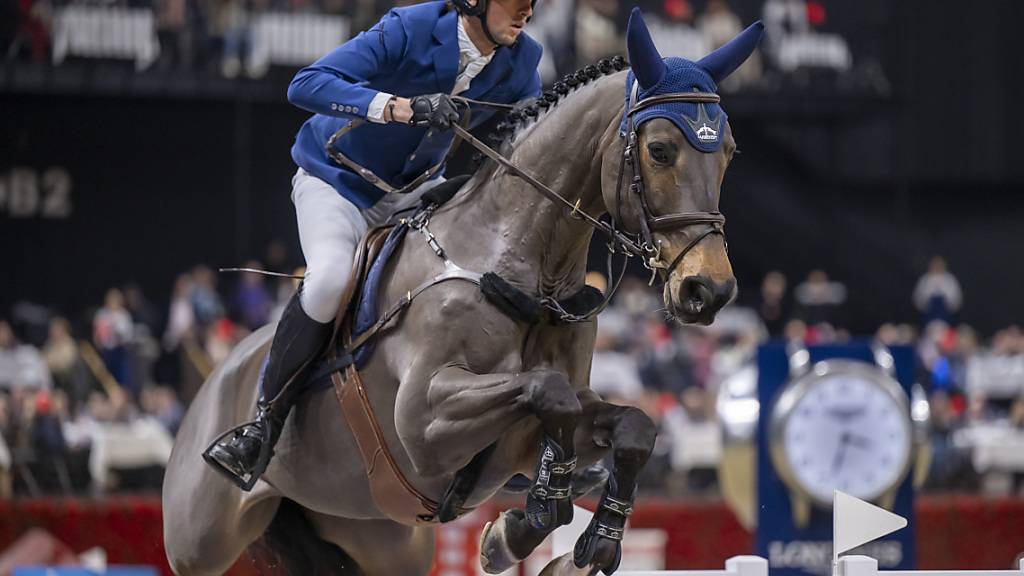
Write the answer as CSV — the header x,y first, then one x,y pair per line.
x,y
661,153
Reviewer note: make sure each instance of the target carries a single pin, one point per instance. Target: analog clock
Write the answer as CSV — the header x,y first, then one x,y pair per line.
x,y
843,425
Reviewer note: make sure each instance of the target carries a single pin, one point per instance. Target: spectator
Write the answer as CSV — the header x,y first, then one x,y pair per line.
x,y
220,340
142,311
613,374
773,305
596,34
6,461
718,25
818,300
32,34
47,436
161,403
950,466
937,294
21,365
112,332
117,407
171,18
674,32
180,316
206,302
252,301
65,363
238,17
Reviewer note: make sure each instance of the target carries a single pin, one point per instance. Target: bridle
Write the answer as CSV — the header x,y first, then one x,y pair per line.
x,y
644,245
650,223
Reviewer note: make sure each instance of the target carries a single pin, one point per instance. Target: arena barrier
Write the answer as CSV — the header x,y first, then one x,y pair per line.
x,y
854,565
735,566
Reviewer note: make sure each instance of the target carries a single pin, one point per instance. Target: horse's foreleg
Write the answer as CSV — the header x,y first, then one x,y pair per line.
x,y
516,533
465,413
632,437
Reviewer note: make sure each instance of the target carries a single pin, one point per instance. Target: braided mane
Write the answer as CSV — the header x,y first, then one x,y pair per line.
x,y
522,117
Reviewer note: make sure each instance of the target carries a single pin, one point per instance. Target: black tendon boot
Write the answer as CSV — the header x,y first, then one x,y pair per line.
x,y
242,454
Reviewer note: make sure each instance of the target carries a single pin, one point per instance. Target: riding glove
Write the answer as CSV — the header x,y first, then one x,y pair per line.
x,y
438,111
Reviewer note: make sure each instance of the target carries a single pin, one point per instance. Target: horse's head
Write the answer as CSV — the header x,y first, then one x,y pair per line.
x,y
678,146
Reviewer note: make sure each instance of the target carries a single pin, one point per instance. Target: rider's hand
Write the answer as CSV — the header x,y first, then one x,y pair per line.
x,y
438,111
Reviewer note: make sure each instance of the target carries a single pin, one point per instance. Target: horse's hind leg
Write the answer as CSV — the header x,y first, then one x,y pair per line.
x,y
632,437
379,547
548,504
205,532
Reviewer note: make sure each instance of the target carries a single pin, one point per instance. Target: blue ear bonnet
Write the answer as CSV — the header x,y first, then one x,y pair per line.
x,y
703,124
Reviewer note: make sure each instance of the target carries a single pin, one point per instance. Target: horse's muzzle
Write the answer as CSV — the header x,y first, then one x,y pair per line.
x,y
699,299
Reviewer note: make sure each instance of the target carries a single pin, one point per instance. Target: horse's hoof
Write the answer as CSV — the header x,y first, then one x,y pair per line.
x,y
495,555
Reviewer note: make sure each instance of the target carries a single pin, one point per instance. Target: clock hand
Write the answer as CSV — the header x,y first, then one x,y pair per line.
x,y
837,462
859,441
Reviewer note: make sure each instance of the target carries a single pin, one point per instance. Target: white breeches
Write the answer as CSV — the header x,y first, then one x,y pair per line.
x,y
330,228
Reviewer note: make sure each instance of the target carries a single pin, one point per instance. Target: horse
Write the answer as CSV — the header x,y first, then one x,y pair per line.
x,y
455,375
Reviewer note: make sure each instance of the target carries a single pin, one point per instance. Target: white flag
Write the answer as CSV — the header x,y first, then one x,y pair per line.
x,y
855,522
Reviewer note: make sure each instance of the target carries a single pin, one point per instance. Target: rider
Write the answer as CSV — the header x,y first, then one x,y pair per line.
x,y
399,77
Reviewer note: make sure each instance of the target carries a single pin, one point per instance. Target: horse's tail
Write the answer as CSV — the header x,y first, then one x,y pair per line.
x,y
291,547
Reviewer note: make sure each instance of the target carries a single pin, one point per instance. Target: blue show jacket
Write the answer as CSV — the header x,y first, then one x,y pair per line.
x,y
411,51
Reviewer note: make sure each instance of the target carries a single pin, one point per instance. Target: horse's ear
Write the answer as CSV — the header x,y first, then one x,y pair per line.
x,y
722,62
648,67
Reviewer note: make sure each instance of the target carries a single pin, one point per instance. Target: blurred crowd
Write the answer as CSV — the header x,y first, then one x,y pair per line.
x,y
91,404
216,36
676,374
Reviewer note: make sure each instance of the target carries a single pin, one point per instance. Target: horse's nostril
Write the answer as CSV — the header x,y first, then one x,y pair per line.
x,y
695,296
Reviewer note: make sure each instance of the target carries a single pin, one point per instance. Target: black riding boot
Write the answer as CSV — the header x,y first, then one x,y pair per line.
x,y
242,454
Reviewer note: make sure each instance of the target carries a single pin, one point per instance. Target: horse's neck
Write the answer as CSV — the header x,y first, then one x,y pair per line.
x,y
537,245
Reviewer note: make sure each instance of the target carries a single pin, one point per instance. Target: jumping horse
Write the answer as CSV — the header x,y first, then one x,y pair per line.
x,y
482,354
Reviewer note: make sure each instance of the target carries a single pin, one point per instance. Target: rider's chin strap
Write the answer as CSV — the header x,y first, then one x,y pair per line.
x,y
487,29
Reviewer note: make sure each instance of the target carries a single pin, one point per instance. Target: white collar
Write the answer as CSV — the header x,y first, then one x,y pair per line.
x,y
468,52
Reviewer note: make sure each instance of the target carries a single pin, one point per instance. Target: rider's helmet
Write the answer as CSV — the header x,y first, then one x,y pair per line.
x,y
480,11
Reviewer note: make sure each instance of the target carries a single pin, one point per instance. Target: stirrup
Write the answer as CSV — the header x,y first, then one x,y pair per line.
x,y
243,481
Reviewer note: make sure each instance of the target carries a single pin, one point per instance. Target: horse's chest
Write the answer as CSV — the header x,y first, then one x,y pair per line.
x,y
565,347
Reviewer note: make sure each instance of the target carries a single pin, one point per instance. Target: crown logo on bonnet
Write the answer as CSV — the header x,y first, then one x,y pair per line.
x,y
655,76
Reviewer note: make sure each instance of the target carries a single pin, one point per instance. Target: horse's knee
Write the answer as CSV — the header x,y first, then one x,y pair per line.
x,y
633,437
550,396
322,290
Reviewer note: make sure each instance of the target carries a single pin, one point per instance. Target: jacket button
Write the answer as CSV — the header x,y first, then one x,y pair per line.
x,y
334,106
412,157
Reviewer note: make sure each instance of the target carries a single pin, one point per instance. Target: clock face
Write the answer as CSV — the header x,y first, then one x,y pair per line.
x,y
845,430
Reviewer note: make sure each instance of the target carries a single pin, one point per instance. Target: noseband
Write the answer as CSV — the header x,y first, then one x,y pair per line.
x,y
649,223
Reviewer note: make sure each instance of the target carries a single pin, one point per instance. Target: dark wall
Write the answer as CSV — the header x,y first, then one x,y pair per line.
x,y
156,186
